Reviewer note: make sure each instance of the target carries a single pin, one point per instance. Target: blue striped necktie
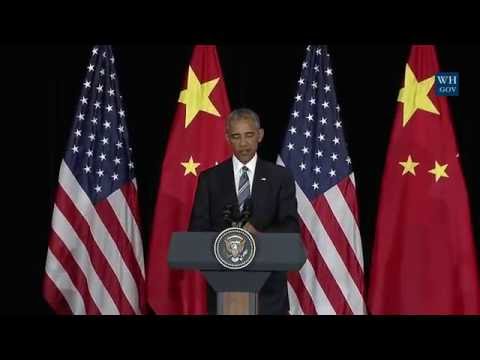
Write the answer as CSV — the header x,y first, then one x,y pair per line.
x,y
243,188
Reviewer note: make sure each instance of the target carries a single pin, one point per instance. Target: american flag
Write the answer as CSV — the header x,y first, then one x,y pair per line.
x,y
315,151
95,260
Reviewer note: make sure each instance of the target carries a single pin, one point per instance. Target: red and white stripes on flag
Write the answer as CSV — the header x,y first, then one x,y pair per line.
x,y
332,279
95,255
315,151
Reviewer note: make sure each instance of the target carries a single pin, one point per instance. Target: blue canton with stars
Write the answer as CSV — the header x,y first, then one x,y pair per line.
x,y
314,147
98,151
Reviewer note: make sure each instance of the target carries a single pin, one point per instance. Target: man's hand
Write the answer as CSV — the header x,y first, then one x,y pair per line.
x,y
250,228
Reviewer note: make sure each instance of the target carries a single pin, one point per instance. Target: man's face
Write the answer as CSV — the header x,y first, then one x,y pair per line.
x,y
244,137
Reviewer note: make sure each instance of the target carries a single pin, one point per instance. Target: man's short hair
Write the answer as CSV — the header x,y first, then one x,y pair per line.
x,y
243,113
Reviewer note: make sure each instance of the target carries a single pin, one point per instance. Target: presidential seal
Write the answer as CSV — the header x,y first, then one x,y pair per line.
x,y
234,248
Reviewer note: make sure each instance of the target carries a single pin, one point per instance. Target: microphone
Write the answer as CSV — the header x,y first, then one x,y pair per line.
x,y
227,215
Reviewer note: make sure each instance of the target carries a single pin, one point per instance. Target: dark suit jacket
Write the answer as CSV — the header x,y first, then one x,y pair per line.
x,y
274,209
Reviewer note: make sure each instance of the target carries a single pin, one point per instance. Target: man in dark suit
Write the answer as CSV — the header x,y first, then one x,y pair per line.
x,y
268,189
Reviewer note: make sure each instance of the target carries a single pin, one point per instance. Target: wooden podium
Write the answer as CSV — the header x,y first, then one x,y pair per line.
x,y
237,290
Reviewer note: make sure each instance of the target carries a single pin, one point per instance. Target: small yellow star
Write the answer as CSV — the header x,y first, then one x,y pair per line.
x,y
190,167
409,165
439,171
414,95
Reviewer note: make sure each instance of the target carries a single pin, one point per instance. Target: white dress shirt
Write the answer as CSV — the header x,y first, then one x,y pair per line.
x,y
237,171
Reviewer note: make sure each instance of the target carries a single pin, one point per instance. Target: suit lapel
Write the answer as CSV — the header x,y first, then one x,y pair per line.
x,y
228,185
259,186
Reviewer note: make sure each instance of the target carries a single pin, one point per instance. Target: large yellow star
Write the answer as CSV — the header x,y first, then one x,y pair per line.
x,y
439,171
409,165
196,97
190,167
414,95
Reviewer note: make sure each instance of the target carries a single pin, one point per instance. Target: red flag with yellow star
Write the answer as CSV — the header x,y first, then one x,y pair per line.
x,y
424,260
196,143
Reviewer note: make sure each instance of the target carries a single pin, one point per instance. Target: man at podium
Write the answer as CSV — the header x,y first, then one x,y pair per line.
x,y
258,194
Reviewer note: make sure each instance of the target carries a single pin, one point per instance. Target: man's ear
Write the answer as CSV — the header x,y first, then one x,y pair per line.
x,y
227,137
261,132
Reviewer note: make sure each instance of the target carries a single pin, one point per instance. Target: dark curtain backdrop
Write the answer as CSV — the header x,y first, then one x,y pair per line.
x,y
262,77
